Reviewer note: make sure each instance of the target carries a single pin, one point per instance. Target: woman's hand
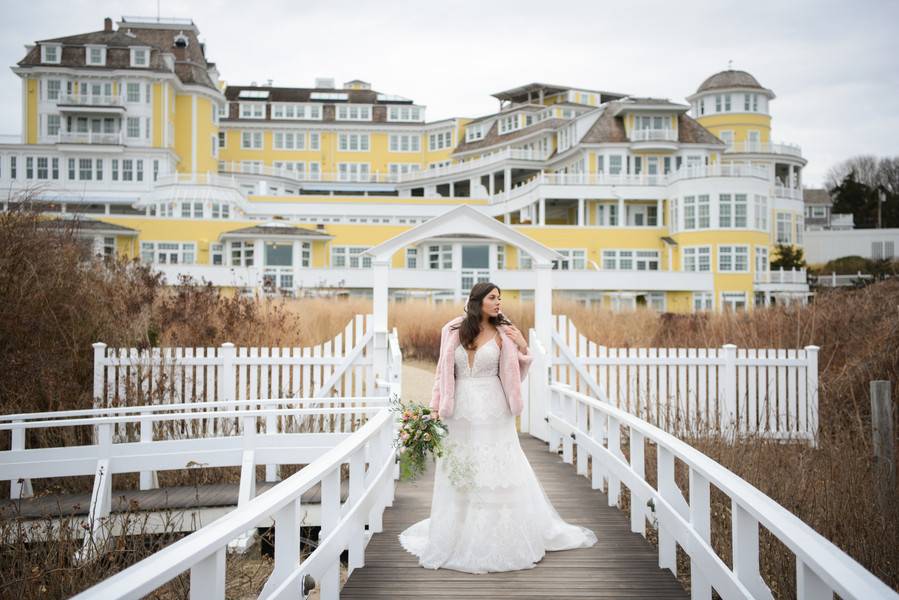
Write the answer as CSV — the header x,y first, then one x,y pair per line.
x,y
516,336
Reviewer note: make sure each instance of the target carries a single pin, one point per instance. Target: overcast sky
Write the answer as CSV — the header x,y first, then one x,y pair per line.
x,y
833,65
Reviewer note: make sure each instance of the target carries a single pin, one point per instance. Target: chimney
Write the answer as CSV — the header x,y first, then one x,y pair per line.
x,y
107,24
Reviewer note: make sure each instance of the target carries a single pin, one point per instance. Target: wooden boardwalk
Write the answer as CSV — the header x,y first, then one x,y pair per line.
x,y
621,564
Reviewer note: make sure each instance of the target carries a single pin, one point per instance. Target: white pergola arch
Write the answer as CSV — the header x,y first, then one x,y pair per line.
x,y
468,220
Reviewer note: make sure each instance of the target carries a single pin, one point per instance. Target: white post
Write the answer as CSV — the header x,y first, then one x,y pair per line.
x,y
381,273
811,387
99,355
330,518
507,180
580,212
207,577
745,542
541,219
19,488
622,218
729,418
543,307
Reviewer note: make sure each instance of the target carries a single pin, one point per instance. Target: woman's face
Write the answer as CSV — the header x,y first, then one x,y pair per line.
x,y
490,305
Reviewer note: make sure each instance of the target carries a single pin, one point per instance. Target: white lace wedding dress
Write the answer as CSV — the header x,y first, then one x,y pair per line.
x,y
488,511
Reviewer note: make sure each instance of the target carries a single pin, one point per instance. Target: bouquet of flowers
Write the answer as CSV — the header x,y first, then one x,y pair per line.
x,y
420,434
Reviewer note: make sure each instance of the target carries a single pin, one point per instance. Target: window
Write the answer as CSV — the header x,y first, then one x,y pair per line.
x,y
405,142
132,92
222,139
290,140
29,167
509,123
740,212
404,113
348,257
402,168
733,259
52,53
314,140
703,210
353,112
53,89
761,212
296,111
140,57
474,133
615,164
95,55
800,226
168,253
575,258
647,260
628,260
353,142
278,254
718,103
216,254
242,254
607,215
784,229
726,102
139,171
689,212
702,301
85,169
127,169
52,124
252,110
761,259
133,127
500,257
440,140
42,170
440,257
352,171
54,168
697,258
251,140
883,250
725,210
295,169
98,169
733,300
411,258
115,169
108,246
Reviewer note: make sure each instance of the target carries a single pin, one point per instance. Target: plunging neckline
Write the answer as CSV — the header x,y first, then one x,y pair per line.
x,y
470,363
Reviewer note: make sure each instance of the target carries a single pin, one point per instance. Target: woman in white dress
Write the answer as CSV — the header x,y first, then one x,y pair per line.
x,y
488,511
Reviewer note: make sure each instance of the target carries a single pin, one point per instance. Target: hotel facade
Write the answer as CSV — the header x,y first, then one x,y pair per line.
x,y
281,190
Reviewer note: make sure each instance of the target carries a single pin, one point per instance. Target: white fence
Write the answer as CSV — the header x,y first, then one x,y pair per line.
x,y
770,392
595,427
342,366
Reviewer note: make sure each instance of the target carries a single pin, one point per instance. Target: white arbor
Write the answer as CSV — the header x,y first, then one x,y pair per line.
x,y
467,220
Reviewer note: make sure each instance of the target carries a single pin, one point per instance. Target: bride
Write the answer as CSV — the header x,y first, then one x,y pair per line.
x,y
488,511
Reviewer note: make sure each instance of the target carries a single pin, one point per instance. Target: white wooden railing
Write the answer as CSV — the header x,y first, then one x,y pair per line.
x,y
343,526
781,275
652,135
730,390
91,100
764,148
90,137
596,428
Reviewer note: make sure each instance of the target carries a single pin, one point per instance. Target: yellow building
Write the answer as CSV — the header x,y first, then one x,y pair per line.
x,y
281,189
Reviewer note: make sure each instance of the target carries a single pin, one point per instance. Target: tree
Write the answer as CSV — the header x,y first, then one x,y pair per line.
x,y
788,257
856,185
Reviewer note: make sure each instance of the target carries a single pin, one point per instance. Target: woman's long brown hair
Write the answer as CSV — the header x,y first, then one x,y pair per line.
x,y
470,326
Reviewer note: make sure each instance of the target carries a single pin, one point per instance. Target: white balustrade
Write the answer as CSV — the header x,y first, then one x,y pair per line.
x,y
653,135
90,137
764,148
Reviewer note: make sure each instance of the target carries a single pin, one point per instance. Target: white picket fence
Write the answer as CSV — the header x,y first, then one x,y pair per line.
x,y
769,392
341,367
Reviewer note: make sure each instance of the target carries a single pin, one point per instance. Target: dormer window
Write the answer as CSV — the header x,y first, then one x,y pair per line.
x,y
51,53
181,40
140,57
474,133
95,56
507,124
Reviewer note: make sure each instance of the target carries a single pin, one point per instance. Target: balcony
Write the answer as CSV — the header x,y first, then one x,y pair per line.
x,y
476,164
719,170
91,137
653,135
781,276
87,103
781,191
763,148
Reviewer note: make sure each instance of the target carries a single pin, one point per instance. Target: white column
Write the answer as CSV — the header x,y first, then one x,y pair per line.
x,y
259,262
492,184
622,218
296,259
381,274
790,181
507,179
580,212
542,218
507,218
452,186
473,184
659,214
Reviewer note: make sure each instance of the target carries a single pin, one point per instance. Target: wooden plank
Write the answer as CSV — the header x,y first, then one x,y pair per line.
x,y
621,564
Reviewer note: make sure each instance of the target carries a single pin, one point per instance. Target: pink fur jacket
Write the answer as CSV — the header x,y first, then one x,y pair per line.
x,y
513,366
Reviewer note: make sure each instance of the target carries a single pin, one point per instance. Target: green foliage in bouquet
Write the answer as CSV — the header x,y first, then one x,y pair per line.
x,y
420,434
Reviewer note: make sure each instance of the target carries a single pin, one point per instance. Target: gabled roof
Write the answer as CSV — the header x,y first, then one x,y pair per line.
x,y
609,128
81,224
520,93
817,196
464,219
277,231
493,136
